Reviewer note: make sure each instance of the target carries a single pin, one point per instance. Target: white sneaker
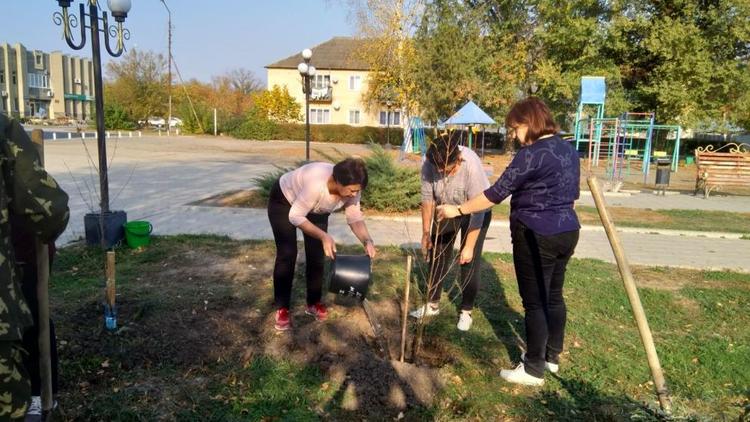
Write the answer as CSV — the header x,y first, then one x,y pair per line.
x,y
34,413
464,321
431,310
519,376
552,367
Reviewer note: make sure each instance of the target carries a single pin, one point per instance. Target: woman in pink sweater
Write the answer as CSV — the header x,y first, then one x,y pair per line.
x,y
304,198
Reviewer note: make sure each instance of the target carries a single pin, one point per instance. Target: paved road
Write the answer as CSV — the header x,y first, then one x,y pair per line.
x,y
155,177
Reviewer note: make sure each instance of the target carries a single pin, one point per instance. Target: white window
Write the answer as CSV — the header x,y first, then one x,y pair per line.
x,y
354,117
319,116
37,80
320,81
395,118
355,83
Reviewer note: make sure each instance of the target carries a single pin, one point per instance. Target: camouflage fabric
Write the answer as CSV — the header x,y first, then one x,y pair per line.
x,y
15,389
27,191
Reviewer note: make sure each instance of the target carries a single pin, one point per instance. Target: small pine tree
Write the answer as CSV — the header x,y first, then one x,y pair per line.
x,y
391,187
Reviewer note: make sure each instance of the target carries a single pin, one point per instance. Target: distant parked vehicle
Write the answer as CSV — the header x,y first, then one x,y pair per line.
x,y
156,121
175,121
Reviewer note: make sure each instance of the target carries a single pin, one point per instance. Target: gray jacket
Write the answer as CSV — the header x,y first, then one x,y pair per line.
x,y
469,181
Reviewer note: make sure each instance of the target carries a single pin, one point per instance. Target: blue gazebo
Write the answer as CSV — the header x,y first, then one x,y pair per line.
x,y
470,115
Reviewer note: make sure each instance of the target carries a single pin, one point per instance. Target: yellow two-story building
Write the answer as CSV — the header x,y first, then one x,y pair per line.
x,y
337,86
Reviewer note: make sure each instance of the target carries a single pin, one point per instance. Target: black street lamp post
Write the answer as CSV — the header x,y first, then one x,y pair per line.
x,y
307,71
119,9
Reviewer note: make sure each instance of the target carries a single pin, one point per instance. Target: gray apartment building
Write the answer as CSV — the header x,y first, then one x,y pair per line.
x,y
36,84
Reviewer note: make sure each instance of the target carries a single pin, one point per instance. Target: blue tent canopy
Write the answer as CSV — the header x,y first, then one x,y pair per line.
x,y
470,114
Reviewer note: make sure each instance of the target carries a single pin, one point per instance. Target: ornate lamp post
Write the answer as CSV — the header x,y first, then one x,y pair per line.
x,y
306,70
108,234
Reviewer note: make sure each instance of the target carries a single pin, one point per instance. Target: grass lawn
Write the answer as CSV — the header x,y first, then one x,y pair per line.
x,y
196,342
718,221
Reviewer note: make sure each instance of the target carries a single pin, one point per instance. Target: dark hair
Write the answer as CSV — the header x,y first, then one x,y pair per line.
x,y
352,171
444,150
536,115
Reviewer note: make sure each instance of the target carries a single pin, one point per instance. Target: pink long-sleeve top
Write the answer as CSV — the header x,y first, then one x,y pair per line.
x,y
306,189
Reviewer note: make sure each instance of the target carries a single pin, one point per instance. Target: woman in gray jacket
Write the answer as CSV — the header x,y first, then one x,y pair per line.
x,y
452,174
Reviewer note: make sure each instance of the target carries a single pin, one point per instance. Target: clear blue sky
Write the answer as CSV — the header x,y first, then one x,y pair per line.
x,y
209,37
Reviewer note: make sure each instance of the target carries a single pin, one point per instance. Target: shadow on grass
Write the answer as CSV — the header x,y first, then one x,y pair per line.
x,y
506,323
390,387
578,400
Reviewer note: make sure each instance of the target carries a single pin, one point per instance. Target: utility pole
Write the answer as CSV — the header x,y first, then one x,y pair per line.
x,y
169,43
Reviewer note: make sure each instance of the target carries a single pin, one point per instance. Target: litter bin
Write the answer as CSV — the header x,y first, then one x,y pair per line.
x,y
663,169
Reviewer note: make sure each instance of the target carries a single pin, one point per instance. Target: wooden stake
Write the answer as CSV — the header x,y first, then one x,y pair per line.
x,y
42,293
45,350
405,314
635,300
110,269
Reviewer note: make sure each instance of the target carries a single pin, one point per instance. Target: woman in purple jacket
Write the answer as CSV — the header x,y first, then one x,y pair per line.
x,y
543,179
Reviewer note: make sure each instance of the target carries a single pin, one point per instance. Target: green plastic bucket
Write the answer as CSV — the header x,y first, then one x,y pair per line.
x,y
138,233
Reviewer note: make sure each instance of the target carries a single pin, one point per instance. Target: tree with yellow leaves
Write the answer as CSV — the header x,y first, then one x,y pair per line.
x,y
386,28
278,105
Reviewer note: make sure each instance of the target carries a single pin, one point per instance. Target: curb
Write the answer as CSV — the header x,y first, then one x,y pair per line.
x,y
639,230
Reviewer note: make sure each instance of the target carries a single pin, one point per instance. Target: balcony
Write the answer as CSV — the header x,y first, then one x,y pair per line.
x,y
321,95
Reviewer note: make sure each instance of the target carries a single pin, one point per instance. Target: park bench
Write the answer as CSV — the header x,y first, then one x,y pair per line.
x,y
725,166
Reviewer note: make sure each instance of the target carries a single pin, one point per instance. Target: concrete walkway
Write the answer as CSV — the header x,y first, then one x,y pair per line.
x,y
154,179
642,248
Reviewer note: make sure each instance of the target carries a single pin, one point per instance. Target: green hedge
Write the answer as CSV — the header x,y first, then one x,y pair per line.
x,y
255,127
320,133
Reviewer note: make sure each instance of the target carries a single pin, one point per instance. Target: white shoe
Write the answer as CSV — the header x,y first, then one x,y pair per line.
x,y
464,321
552,367
34,413
431,310
519,376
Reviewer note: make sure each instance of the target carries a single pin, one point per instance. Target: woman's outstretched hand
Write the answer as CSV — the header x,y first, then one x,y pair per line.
x,y
370,248
447,211
329,246
467,255
426,245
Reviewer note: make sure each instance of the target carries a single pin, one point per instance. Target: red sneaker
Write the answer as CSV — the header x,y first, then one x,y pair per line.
x,y
283,322
318,310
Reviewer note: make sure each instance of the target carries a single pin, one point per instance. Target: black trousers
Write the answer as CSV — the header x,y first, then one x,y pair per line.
x,y
444,258
285,236
540,263
31,336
